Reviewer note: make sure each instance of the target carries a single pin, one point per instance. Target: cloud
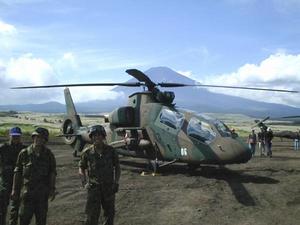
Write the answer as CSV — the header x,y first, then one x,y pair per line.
x,y
8,34
7,29
28,70
278,71
84,94
67,63
23,71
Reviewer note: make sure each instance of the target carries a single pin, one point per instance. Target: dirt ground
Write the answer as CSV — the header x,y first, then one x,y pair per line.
x,y
262,191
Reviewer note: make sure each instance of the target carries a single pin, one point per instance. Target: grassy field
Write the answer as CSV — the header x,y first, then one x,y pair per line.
x,y
28,121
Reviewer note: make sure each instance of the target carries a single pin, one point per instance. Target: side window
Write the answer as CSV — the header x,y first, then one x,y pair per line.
x,y
171,118
200,130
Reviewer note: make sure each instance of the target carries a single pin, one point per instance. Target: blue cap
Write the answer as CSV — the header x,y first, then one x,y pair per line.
x,y
15,131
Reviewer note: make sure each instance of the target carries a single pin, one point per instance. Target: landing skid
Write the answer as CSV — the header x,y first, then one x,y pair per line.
x,y
193,167
154,166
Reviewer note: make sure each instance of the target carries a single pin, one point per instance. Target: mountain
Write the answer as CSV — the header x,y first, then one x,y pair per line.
x,y
202,100
197,99
50,107
95,106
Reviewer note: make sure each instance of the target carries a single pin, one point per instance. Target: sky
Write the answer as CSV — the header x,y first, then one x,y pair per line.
x,y
224,42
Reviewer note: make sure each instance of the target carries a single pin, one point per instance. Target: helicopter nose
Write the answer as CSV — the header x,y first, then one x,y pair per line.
x,y
245,152
246,156
231,150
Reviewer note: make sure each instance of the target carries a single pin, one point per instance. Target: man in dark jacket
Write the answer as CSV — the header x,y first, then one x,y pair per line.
x,y
261,141
268,141
8,156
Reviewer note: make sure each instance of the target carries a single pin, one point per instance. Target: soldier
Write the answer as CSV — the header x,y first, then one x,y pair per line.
x,y
261,141
296,140
100,164
8,156
268,141
36,169
252,141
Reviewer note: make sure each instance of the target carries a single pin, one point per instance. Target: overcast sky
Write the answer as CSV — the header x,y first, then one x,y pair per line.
x,y
232,42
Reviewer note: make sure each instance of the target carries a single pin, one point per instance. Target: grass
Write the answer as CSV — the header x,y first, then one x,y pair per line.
x,y
27,129
8,113
28,121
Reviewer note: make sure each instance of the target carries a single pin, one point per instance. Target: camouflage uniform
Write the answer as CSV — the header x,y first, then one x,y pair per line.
x,y
252,139
36,171
8,157
261,142
101,183
268,141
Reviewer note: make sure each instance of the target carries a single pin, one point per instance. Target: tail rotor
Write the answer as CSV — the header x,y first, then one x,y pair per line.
x,y
71,125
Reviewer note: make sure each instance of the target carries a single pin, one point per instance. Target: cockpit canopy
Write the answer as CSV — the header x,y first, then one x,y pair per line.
x,y
200,126
200,130
171,118
219,125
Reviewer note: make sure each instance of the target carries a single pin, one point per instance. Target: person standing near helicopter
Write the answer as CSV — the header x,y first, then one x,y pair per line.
x,y
261,141
99,170
268,141
296,140
8,156
252,139
35,175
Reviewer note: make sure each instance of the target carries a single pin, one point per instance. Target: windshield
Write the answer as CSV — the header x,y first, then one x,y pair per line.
x,y
171,118
222,128
200,130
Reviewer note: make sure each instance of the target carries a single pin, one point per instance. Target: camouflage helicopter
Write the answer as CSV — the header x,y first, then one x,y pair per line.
x,y
151,127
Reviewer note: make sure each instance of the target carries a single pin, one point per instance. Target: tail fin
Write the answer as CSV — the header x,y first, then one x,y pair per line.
x,y
72,124
71,111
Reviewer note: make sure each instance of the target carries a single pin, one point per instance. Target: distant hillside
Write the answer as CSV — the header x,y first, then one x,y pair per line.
x,y
56,107
51,107
197,99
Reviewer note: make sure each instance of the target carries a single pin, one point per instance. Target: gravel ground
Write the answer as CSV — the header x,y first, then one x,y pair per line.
x,y
261,192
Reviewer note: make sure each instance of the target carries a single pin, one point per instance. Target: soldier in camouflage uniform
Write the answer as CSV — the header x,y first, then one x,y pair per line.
x,y
8,156
100,164
36,170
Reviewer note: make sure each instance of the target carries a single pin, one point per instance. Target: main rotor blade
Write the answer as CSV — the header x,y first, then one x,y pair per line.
x,y
132,84
260,122
140,76
222,86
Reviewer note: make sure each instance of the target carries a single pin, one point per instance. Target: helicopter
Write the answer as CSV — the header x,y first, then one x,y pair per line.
x,y
150,126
